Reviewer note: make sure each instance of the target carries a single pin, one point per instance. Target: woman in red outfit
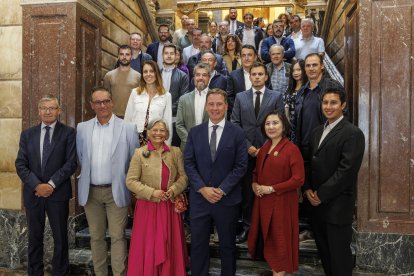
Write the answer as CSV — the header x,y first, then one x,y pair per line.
x,y
156,175
278,175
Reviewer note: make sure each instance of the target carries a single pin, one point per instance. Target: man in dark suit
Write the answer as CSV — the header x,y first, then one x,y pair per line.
x,y
215,161
155,48
239,80
45,162
234,24
216,80
278,38
250,109
337,149
175,81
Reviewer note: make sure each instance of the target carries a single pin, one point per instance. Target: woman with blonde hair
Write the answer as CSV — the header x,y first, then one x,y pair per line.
x,y
148,101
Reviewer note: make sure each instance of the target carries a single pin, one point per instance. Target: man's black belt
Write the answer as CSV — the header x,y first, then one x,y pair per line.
x,y
101,186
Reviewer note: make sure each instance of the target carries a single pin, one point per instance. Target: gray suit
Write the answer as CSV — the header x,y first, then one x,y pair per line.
x,y
124,143
243,114
186,117
179,86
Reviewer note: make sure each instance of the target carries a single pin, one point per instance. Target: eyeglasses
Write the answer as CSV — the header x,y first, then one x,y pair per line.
x,y
104,102
48,109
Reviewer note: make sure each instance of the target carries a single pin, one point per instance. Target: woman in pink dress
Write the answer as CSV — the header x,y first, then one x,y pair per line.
x,y
156,176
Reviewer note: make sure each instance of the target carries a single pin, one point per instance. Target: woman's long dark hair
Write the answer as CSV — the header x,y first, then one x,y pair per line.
x,y
292,81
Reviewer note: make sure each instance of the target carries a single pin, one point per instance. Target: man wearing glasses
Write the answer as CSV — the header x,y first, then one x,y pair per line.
x,y
279,39
45,162
155,48
105,145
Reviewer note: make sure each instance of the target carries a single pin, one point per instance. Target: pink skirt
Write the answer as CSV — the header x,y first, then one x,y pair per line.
x,y
158,246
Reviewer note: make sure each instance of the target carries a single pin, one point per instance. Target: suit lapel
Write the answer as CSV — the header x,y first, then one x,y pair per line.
x,y
117,133
225,136
249,102
331,134
36,141
265,101
191,104
88,135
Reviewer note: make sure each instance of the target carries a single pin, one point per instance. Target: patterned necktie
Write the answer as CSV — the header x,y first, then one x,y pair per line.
x,y
257,103
213,142
46,146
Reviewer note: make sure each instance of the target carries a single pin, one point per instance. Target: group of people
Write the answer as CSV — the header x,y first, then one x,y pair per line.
x,y
245,134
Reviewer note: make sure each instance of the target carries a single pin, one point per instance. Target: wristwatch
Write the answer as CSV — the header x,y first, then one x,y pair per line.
x,y
271,190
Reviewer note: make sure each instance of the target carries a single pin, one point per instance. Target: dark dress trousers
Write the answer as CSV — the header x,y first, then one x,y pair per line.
x,y
225,172
333,175
60,165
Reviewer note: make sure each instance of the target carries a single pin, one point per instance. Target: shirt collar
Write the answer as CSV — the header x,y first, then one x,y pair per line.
x,y
220,124
263,89
152,148
169,69
332,125
110,122
203,92
281,68
52,126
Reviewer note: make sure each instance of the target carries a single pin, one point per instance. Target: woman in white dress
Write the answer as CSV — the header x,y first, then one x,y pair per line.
x,y
148,101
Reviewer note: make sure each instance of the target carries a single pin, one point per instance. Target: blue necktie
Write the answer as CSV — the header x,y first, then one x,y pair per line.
x,y
46,146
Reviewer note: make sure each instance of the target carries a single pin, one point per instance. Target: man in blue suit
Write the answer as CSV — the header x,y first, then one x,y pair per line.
x,y
105,145
250,109
215,159
155,48
45,162
279,39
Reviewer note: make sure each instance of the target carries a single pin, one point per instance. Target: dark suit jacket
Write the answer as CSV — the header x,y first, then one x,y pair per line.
x,y
287,43
178,87
60,165
225,171
334,170
193,60
239,24
243,114
258,35
217,81
136,63
152,50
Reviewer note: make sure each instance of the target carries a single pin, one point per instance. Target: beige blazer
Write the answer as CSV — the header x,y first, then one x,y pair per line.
x,y
144,174
229,62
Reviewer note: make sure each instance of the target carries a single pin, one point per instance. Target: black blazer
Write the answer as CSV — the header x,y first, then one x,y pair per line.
x,y
179,86
334,170
258,35
60,165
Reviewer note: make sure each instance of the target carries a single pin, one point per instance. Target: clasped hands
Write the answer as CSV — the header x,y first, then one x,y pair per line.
x,y
162,195
260,190
43,190
313,197
212,194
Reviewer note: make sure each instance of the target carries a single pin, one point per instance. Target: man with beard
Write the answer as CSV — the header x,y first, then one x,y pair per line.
x,y
155,48
175,81
234,24
278,38
191,111
122,80
138,56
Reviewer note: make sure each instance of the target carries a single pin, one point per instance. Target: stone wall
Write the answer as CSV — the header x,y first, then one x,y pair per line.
x,y
10,101
120,19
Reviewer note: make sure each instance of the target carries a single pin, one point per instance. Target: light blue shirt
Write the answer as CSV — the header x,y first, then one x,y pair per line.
x,y
307,46
101,167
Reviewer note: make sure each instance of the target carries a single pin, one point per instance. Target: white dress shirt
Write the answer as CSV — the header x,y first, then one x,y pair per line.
x,y
327,128
247,82
101,167
248,37
199,105
261,95
219,130
166,75
42,137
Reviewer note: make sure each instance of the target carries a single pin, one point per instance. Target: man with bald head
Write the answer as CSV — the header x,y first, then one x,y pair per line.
x,y
180,32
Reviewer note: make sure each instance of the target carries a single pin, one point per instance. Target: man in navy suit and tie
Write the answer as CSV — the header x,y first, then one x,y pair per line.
x,y
250,109
215,161
45,162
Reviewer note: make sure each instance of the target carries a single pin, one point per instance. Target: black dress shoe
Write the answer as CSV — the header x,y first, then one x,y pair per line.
x,y
242,237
